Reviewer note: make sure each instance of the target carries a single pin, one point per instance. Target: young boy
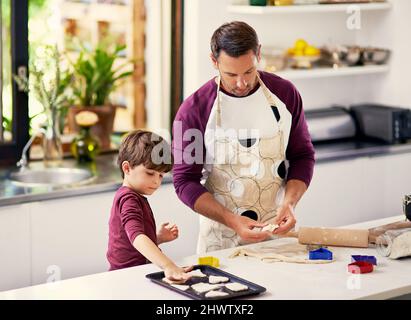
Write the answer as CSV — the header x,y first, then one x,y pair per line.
x,y
143,159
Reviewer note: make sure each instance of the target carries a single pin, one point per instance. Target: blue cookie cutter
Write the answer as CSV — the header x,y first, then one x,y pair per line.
x,y
321,254
370,259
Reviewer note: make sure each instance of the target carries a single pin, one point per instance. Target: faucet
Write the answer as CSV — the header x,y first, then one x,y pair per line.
x,y
22,163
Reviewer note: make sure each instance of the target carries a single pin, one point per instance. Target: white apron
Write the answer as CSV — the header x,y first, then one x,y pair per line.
x,y
246,179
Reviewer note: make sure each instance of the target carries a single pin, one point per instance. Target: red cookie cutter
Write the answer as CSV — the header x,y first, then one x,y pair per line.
x,y
360,267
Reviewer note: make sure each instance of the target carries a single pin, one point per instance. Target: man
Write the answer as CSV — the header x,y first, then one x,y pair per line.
x,y
254,154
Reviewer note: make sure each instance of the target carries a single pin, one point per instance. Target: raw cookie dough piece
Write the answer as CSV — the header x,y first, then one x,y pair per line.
x,y
180,286
217,279
235,286
173,281
204,287
213,294
270,227
197,273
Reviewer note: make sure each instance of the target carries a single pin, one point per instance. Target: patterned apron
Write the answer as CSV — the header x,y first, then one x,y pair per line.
x,y
246,179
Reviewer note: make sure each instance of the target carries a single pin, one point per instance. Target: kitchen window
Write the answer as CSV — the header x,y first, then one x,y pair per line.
x,y
14,121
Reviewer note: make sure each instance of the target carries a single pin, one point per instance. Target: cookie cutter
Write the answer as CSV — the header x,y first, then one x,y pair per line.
x,y
209,261
370,259
320,254
360,267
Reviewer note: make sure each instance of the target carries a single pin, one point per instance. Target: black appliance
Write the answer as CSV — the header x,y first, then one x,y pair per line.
x,y
386,123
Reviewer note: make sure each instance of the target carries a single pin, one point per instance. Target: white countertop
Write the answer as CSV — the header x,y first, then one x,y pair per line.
x,y
391,278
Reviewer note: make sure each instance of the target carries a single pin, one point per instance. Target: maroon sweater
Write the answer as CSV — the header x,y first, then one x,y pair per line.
x,y
194,113
131,216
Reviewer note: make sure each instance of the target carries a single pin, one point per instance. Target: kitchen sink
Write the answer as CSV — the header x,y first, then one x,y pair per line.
x,y
51,177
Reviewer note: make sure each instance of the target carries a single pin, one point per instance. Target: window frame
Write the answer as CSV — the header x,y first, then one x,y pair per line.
x,y
11,151
177,58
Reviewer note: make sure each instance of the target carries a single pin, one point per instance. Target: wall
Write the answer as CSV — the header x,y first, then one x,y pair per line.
x,y
385,28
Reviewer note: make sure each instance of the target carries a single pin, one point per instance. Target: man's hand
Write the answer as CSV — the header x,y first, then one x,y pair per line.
x,y
244,226
167,233
285,219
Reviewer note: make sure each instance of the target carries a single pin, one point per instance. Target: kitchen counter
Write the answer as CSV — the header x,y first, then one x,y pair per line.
x,y
390,278
107,176
349,149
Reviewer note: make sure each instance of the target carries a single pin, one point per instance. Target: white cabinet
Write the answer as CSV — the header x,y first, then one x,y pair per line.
x,y
14,247
69,237
397,181
351,191
168,208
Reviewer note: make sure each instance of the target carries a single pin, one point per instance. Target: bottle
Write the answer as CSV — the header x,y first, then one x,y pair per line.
x,y
85,147
394,243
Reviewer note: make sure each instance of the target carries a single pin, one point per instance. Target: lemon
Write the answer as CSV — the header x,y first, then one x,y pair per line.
x,y
300,44
311,51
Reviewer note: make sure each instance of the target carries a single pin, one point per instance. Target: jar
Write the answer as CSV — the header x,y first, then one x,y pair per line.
x,y
85,147
394,244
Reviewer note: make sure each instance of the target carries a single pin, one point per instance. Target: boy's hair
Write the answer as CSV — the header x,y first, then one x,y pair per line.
x,y
235,38
146,148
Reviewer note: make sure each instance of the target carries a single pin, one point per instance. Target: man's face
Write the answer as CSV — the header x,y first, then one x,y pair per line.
x,y
238,75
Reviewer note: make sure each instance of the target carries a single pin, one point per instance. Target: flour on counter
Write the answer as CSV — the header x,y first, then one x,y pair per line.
x,y
291,253
401,246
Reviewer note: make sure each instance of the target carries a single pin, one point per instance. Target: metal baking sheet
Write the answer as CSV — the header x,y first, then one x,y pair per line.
x,y
253,289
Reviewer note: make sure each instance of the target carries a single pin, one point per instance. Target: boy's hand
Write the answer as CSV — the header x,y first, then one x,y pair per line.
x,y
175,273
167,233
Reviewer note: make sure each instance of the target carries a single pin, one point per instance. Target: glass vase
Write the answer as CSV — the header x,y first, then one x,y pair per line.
x,y
52,145
85,146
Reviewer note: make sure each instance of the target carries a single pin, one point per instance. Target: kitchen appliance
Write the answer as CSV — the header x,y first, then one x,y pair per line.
x,y
389,124
407,206
333,123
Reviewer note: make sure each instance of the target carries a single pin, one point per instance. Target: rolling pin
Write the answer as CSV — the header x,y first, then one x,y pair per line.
x,y
357,238
331,237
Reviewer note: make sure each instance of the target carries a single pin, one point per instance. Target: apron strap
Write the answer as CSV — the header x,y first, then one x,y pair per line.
x,y
266,93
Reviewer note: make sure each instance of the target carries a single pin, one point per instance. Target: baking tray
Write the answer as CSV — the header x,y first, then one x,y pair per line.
x,y
253,289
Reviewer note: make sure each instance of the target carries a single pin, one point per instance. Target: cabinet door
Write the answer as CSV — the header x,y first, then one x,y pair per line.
x,y
335,196
14,247
396,170
168,208
69,237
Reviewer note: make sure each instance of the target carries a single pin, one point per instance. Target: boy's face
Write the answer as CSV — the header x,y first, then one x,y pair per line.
x,y
140,179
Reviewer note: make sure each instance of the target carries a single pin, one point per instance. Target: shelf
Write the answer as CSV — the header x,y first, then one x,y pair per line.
x,y
245,9
330,73
96,11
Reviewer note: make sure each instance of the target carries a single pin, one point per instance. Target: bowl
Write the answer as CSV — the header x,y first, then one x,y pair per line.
x,y
303,62
372,55
273,59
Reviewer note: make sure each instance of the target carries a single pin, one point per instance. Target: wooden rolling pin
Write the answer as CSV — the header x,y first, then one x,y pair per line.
x,y
331,237
357,238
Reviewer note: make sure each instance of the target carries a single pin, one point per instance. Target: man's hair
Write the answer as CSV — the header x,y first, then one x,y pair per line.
x,y
235,38
146,148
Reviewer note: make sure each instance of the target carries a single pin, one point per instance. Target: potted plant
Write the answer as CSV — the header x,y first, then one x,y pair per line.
x,y
95,78
51,87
